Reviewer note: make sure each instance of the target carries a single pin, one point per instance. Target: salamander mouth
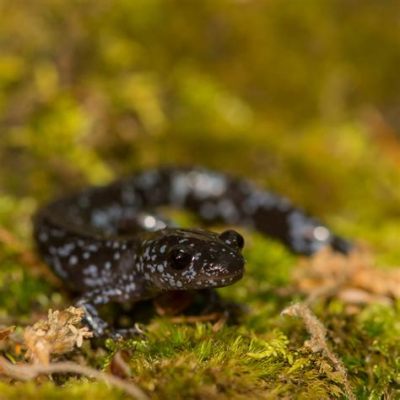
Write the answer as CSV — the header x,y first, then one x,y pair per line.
x,y
232,278
219,280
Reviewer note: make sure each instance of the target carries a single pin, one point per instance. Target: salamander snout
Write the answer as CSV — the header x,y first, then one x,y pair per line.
x,y
221,262
224,267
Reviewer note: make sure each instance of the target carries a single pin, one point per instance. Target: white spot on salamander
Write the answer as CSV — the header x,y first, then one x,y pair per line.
x,y
160,268
93,248
91,270
73,260
43,237
321,233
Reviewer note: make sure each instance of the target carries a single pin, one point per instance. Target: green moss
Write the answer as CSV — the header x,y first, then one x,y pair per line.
x,y
75,389
302,99
195,362
32,293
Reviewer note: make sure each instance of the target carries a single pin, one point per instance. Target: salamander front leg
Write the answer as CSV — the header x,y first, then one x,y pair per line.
x,y
99,327
92,318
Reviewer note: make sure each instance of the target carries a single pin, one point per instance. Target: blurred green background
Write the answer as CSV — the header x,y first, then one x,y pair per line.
x,y
302,96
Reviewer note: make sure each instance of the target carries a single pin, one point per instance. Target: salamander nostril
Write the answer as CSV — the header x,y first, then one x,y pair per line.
x,y
179,259
232,238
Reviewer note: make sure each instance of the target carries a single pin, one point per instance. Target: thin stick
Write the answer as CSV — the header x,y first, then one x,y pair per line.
x,y
31,371
318,340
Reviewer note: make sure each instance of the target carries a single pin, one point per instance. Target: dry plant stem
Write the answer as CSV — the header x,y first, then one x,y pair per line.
x,y
31,371
60,333
318,342
118,363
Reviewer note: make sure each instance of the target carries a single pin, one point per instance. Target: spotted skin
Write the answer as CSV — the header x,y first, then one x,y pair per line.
x,y
109,245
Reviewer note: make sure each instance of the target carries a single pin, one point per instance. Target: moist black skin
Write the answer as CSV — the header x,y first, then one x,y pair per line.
x,y
109,244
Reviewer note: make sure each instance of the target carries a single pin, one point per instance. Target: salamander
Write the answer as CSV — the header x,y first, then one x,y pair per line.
x,y
110,244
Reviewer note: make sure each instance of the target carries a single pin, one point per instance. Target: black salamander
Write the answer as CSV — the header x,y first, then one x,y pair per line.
x,y
109,245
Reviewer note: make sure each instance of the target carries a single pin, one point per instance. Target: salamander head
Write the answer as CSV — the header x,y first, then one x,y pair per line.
x,y
182,259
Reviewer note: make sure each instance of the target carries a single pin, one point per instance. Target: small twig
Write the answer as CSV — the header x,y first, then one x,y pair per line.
x,y
31,371
318,342
118,365
220,322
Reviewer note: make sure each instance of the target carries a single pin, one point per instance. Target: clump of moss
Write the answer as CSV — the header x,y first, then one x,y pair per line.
x,y
195,362
93,92
75,389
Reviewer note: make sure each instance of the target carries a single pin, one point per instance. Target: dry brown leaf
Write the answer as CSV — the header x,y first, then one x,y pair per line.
x,y
354,278
60,333
173,302
6,332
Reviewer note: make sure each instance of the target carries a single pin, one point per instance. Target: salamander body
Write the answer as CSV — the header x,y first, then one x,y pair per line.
x,y
109,244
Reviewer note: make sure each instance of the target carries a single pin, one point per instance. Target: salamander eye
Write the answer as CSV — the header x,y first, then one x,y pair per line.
x,y
179,259
232,238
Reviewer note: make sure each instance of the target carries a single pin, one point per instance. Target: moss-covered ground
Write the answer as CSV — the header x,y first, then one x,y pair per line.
x,y
302,97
